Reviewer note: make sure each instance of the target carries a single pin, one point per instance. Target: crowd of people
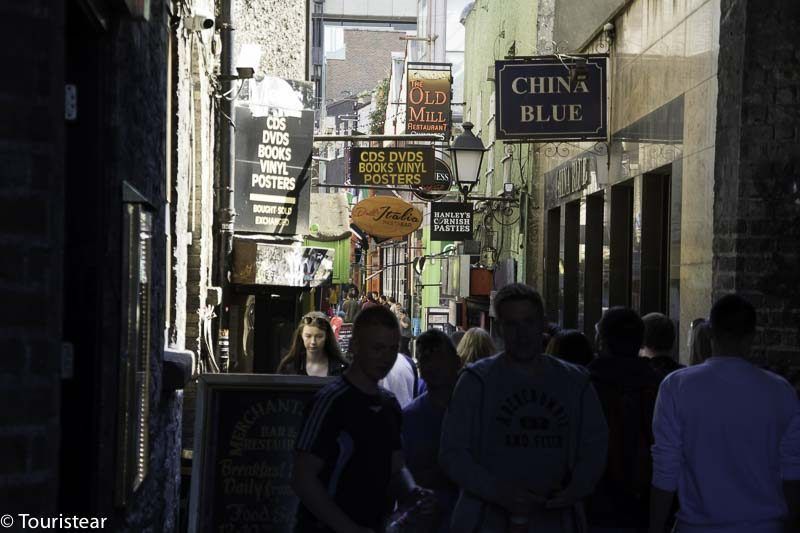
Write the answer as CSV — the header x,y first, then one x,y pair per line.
x,y
536,429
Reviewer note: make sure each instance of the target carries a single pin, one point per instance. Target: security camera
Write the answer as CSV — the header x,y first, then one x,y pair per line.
x,y
198,22
608,29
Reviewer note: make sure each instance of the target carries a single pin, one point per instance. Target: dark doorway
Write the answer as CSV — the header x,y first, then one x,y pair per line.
x,y
571,277
620,244
81,432
593,263
552,257
275,320
656,192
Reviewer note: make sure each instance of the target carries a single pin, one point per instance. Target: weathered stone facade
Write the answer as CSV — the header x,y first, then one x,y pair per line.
x,y
193,182
280,28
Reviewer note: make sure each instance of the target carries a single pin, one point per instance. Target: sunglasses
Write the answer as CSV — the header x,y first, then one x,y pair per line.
x,y
307,320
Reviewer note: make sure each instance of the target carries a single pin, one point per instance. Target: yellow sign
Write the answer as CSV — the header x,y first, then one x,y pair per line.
x,y
386,216
392,166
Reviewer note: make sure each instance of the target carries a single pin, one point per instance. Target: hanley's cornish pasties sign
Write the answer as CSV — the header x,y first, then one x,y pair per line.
x,y
548,98
386,216
451,221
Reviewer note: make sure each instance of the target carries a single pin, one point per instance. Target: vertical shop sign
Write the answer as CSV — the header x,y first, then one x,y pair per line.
x,y
273,156
428,96
552,98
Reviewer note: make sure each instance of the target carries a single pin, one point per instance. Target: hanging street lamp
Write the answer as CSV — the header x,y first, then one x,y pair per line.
x,y
467,154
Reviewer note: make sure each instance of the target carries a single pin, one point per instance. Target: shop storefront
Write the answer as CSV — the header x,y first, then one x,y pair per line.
x,y
629,220
612,232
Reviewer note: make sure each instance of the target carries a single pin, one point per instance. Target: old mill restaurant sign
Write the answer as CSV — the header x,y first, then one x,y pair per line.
x,y
386,217
392,166
548,98
428,98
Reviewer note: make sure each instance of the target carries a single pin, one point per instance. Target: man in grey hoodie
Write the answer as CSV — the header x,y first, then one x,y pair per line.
x,y
524,436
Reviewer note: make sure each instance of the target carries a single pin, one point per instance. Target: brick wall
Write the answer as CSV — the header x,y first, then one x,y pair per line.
x,y
757,174
31,241
368,59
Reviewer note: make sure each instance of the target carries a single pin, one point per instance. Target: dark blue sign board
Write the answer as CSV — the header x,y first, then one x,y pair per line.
x,y
540,99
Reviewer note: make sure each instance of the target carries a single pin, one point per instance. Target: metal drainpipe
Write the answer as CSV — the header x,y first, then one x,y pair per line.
x,y
226,212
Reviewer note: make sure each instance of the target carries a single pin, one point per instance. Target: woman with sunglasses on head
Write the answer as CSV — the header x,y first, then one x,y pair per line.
x,y
314,350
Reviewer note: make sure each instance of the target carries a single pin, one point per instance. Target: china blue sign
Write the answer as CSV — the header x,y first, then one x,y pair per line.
x,y
548,98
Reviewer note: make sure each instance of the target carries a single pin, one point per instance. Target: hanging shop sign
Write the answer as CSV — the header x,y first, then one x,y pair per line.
x,y
571,179
443,181
548,98
451,221
386,217
273,156
392,166
263,263
428,96
246,427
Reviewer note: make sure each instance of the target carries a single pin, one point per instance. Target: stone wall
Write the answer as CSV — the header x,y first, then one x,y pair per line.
x,y
31,254
280,28
193,181
757,180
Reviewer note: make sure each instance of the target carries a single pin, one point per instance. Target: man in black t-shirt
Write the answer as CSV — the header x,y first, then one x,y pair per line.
x,y
349,465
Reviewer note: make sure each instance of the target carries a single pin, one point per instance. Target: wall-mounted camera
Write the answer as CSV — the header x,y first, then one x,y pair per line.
x,y
198,22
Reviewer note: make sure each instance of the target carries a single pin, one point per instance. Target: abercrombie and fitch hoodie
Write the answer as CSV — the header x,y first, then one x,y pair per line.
x,y
543,430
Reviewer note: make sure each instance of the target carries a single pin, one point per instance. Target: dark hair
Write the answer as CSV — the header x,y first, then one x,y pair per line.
x,y
435,341
517,292
456,337
622,332
700,341
659,332
732,318
375,315
352,293
295,360
572,346
392,300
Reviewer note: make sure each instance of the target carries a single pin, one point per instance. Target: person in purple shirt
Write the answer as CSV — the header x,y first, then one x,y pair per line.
x,y
727,438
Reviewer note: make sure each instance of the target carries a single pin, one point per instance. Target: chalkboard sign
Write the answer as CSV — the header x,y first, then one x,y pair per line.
x,y
345,334
245,432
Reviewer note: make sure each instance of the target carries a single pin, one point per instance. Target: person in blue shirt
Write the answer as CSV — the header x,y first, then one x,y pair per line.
x,y
422,419
727,438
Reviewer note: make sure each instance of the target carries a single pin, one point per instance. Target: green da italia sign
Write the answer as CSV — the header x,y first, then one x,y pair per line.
x,y
552,98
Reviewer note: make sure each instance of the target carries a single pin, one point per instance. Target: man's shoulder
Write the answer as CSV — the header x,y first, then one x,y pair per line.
x,y
481,369
332,392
